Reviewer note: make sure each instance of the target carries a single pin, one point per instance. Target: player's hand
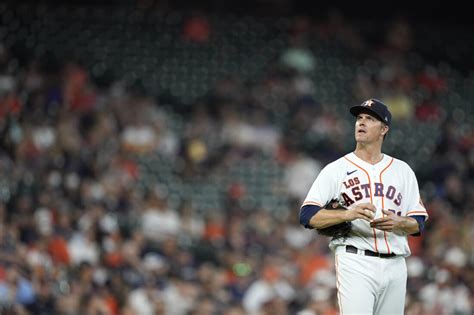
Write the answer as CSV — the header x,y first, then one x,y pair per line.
x,y
390,222
364,211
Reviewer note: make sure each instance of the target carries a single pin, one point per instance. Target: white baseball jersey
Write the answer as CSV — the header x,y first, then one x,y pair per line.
x,y
390,184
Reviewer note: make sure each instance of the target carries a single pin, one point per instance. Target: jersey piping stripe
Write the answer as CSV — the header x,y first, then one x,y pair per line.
x,y
418,212
338,285
370,187
383,205
313,203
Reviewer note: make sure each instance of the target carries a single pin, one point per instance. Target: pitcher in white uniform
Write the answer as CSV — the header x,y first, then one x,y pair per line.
x,y
384,207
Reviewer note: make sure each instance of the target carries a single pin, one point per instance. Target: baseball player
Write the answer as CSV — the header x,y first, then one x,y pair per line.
x,y
383,205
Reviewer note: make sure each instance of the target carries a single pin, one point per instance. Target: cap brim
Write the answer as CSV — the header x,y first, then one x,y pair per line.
x,y
357,109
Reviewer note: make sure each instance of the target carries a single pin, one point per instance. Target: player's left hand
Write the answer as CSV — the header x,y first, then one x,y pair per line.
x,y
390,222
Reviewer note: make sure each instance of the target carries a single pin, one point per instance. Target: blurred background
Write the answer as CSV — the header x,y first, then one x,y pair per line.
x,y
154,154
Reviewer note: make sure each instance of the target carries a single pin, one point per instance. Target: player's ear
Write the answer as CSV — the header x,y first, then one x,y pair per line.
x,y
385,129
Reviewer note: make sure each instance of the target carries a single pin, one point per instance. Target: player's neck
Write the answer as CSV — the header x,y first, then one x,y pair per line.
x,y
368,153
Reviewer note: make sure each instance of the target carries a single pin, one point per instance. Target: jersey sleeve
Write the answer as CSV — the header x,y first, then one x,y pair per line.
x,y
415,206
323,189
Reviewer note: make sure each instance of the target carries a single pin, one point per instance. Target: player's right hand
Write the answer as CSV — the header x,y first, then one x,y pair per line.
x,y
364,211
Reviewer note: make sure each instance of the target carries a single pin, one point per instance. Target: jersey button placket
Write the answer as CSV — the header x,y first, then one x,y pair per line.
x,y
376,201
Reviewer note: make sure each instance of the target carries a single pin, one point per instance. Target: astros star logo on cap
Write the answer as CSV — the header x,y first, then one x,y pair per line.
x,y
368,103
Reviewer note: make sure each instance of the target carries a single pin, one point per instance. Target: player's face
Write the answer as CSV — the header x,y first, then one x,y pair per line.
x,y
369,129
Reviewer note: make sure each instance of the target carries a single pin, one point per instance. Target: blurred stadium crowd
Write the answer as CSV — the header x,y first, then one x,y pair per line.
x,y
154,162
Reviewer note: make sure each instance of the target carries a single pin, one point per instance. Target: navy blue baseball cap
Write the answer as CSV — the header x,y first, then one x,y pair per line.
x,y
375,107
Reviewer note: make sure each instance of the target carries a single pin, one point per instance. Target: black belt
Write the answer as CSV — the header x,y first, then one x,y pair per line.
x,y
354,250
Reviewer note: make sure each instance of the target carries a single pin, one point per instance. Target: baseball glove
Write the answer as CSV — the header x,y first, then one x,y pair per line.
x,y
336,231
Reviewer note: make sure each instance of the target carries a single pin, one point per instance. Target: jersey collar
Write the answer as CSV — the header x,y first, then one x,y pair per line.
x,y
381,164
